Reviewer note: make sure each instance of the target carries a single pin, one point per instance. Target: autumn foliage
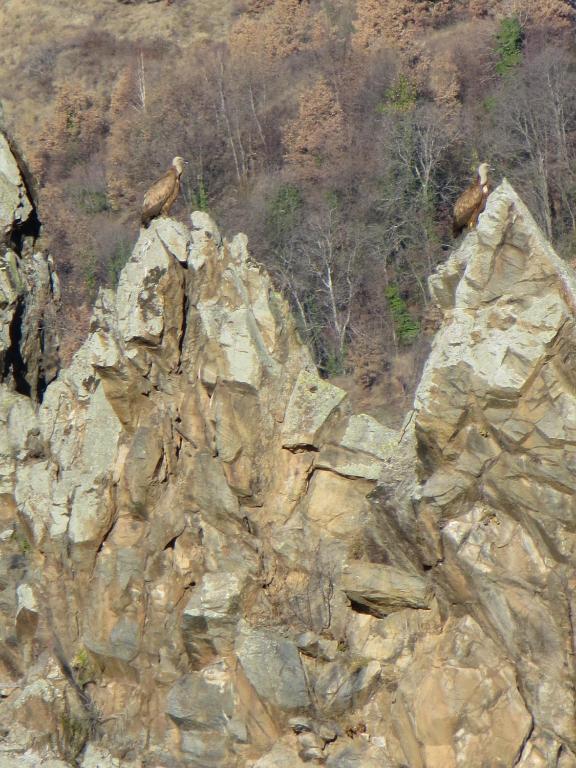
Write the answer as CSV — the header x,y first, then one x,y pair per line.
x,y
337,134
316,138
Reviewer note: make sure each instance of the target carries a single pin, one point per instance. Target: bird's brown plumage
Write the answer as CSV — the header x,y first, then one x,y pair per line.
x,y
471,202
163,193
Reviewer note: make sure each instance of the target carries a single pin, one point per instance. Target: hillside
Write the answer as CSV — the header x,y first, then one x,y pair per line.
x,y
46,44
337,135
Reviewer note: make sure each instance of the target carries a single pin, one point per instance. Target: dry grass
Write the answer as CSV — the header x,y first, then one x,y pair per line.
x,y
48,41
28,24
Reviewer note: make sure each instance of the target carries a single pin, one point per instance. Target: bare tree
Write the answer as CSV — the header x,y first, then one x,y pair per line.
x,y
534,137
320,268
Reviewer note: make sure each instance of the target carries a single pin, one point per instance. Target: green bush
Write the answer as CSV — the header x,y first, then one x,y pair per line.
x,y
89,267
333,364
332,199
198,196
509,45
400,97
283,212
490,104
84,669
120,256
94,201
406,327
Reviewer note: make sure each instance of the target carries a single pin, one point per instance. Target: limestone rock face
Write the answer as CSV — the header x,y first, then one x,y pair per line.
x,y
273,666
208,560
383,589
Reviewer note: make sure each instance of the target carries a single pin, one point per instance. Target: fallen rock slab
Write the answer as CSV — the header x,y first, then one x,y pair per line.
x,y
383,589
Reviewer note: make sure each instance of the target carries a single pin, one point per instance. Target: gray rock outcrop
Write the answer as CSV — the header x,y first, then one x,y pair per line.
x,y
181,503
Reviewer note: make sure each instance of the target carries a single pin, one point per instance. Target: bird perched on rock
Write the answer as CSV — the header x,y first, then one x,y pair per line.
x,y
471,202
163,193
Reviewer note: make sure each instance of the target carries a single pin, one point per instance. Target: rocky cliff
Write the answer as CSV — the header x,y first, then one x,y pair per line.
x,y
209,560
28,288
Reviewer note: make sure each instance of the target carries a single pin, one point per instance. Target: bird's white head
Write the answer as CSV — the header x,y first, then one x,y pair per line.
x,y
483,170
179,163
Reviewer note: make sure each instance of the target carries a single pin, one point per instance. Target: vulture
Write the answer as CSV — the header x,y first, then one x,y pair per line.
x,y
163,193
471,202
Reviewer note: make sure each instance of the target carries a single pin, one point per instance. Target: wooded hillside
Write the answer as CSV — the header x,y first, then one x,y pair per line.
x,y
336,134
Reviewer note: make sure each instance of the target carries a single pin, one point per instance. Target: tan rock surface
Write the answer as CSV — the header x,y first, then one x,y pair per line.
x,y
382,589
161,501
458,704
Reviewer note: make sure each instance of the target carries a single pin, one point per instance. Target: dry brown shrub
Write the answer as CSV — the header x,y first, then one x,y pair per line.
x,y
73,239
395,22
175,117
125,113
366,356
275,32
73,324
317,135
123,91
445,81
322,30
479,8
73,132
555,13
251,7
53,208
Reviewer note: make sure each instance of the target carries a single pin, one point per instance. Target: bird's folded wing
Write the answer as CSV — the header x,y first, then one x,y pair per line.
x,y
467,203
159,191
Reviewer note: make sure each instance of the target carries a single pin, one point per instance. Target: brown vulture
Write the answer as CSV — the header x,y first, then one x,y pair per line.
x,y
471,202
163,193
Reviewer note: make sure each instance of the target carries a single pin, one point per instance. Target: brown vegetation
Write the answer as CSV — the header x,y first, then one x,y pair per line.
x,y
315,140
